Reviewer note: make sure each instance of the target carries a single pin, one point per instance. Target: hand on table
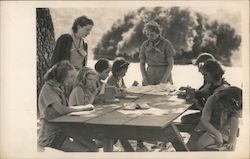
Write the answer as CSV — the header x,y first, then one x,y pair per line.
x,y
78,108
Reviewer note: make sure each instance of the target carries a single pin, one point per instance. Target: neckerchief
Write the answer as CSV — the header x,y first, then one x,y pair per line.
x,y
59,89
79,47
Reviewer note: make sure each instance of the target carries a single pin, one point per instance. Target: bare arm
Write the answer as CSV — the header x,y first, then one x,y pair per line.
x,y
62,109
234,125
143,72
170,62
206,116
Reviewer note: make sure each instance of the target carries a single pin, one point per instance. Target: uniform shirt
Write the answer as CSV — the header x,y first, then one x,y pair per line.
x,y
158,53
220,118
79,96
116,81
50,93
207,90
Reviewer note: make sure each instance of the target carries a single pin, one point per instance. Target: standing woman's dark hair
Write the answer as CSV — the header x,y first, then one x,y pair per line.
x,y
81,21
214,68
72,46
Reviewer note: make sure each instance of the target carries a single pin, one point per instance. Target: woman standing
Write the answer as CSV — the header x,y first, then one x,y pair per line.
x,y
157,52
72,46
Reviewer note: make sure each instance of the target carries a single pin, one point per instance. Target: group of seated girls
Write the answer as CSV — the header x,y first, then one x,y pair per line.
x,y
220,108
53,101
217,122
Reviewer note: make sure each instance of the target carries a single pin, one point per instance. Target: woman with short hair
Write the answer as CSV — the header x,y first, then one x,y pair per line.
x,y
53,103
158,53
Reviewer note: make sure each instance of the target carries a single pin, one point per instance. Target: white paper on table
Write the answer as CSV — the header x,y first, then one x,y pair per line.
x,y
150,111
160,89
155,111
82,106
81,113
175,110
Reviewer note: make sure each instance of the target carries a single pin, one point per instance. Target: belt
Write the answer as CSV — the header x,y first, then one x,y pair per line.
x,y
157,65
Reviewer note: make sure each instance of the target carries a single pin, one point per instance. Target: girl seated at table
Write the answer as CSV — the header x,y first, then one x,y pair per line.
x,y
86,91
52,103
213,82
119,70
103,69
220,119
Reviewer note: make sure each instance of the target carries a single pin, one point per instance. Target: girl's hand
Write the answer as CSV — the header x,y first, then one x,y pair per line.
x,y
219,139
230,145
123,93
97,90
88,107
135,83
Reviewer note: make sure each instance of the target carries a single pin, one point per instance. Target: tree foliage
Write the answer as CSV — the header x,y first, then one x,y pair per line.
x,y
191,33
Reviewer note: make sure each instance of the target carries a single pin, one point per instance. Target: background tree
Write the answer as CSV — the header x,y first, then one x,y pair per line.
x,y
45,43
221,40
190,32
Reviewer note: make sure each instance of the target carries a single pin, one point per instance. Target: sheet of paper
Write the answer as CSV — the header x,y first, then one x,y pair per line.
x,y
160,89
81,106
150,111
82,113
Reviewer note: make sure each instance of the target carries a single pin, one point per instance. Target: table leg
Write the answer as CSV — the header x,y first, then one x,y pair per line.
x,y
178,142
107,145
127,146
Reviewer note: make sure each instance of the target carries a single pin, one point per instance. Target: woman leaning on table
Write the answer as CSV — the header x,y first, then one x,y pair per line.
x,y
72,46
53,103
158,53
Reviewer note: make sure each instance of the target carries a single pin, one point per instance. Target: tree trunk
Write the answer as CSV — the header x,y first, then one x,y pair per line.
x,y
45,43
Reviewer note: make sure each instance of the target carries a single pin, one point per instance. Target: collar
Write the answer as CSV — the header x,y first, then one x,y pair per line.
x,y
81,40
156,41
55,85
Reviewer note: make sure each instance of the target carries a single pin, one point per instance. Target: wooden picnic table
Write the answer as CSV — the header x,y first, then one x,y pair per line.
x,y
108,122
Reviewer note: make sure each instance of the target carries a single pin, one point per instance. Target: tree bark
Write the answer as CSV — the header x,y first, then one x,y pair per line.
x,y
45,43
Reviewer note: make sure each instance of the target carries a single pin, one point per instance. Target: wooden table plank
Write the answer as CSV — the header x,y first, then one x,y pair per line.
x,y
112,118
175,107
99,111
152,120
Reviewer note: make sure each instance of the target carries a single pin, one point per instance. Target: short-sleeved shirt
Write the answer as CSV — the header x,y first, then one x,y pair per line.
x,y
219,117
158,53
210,89
79,96
116,81
50,93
